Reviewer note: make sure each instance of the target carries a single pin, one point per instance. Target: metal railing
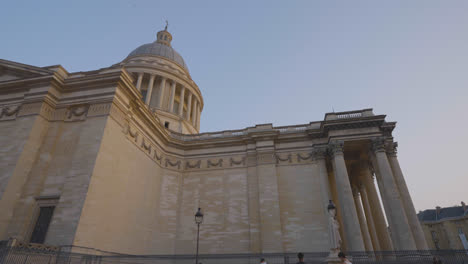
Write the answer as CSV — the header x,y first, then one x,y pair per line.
x,y
77,255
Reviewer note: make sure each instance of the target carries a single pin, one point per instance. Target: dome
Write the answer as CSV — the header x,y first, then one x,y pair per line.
x,y
161,47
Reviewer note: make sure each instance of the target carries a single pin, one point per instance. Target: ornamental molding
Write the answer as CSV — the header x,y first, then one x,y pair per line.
x,y
392,149
132,134
219,163
146,147
320,152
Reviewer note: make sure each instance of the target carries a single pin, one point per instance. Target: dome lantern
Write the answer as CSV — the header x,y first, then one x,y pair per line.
x,y
164,37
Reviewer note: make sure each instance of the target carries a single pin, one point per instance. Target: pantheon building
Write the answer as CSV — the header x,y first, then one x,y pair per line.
x,y
113,159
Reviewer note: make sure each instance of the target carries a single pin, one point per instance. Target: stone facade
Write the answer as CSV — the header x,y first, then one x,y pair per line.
x,y
97,145
445,228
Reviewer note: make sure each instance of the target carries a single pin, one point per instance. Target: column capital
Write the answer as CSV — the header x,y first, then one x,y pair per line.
x,y
319,152
392,149
336,147
378,144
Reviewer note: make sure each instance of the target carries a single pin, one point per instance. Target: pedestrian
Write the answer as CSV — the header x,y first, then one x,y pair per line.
x,y
436,260
343,258
263,261
300,256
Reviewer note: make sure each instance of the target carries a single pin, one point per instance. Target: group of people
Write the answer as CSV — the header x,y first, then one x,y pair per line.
x,y
300,257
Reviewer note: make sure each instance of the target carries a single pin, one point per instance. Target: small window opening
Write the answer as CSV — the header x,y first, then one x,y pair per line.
x,y
166,124
42,224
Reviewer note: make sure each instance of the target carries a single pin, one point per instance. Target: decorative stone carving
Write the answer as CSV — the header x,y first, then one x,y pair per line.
x,y
158,158
336,147
145,146
301,158
77,113
215,164
288,158
197,165
128,131
319,152
172,164
240,162
99,109
334,232
9,112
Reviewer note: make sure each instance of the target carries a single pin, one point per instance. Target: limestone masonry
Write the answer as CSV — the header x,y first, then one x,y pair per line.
x,y
113,159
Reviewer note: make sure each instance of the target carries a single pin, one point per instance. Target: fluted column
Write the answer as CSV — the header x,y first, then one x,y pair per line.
x,y
189,106
369,218
362,220
321,165
408,205
198,116
171,102
150,89
400,228
181,102
194,112
162,88
376,210
352,230
140,79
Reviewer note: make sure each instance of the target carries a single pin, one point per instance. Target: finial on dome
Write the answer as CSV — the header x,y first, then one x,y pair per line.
x,y
164,37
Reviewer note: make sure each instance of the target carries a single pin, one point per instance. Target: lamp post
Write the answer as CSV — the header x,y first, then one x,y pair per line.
x,y
198,221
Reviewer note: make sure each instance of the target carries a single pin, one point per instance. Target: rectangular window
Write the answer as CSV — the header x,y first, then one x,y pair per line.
x,y
42,224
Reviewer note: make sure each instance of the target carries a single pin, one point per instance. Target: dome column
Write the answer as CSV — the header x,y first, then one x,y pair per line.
x,y
189,106
181,102
171,102
140,79
150,89
194,112
161,92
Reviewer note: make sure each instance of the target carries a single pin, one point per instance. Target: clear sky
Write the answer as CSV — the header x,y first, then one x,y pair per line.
x,y
287,62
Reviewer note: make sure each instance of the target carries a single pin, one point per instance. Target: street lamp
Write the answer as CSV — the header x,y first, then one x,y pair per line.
x,y
198,221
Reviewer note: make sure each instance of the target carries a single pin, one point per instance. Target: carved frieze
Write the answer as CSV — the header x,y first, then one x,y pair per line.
x,y
172,164
301,157
392,149
196,165
219,163
9,112
146,147
99,109
288,158
132,134
156,157
77,113
234,162
319,152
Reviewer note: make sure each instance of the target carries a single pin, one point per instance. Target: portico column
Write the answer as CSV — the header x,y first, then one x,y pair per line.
x,y
362,221
181,101
408,205
194,112
140,79
352,230
162,87
369,218
171,102
400,228
376,210
150,89
198,116
189,106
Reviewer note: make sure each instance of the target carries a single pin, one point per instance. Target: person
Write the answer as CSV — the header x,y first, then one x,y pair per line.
x,y
436,260
343,258
300,256
263,261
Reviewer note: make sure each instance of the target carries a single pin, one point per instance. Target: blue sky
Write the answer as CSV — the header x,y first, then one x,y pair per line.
x,y
287,62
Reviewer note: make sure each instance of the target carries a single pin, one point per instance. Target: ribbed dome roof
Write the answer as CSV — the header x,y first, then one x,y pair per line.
x,y
159,49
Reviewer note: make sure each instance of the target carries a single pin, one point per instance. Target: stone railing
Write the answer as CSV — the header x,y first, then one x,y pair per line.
x,y
269,127
349,114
